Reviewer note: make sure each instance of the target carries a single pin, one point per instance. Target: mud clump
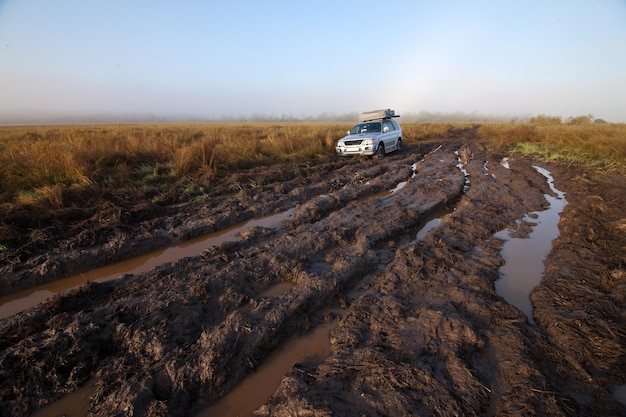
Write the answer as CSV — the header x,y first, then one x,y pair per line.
x,y
421,332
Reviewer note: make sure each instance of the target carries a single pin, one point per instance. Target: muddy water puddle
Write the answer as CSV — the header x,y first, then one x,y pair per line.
x,y
255,390
75,404
250,394
431,224
434,221
466,175
278,289
523,268
619,393
17,302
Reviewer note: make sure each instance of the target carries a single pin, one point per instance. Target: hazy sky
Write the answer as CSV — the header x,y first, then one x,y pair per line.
x,y
214,58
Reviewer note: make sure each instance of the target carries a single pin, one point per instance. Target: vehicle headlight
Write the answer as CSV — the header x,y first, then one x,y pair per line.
x,y
369,141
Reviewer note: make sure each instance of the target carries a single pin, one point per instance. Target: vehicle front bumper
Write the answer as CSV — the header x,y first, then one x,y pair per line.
x,y
355,150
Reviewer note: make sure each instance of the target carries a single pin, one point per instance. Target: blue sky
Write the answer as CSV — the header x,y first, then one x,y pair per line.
x,y
211,59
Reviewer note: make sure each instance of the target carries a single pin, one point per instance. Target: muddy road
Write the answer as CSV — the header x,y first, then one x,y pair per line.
x,y
410,326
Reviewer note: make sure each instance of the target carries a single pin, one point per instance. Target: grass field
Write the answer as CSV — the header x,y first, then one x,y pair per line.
x,y
60,166
597,146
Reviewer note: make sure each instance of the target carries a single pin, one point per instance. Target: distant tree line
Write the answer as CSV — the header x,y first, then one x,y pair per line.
x,y
543,119
420,117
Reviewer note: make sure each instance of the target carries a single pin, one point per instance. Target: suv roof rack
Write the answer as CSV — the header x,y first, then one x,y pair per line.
x,y
377,114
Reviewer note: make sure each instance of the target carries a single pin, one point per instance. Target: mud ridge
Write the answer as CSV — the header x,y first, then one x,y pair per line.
x,y
422,330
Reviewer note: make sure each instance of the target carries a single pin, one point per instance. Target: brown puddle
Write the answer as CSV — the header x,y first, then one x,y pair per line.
x,y
523,268
278,289
250,394
427,227
619,393
20,301
255,390
75,404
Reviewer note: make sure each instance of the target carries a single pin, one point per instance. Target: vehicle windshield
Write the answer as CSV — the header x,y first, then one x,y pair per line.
x,y
365,128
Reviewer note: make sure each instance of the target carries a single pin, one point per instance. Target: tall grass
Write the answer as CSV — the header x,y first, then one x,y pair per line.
x,y
424,131
59,166
598,146
53,163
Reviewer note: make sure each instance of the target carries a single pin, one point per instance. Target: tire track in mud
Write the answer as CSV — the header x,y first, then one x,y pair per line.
x,y
133,327
429,335
323,259
118,233
422,330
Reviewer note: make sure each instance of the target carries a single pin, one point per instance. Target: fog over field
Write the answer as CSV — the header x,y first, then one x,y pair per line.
x,y
74,61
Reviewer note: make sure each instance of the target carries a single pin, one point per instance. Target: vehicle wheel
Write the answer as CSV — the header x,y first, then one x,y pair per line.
x,y
380,153
399,145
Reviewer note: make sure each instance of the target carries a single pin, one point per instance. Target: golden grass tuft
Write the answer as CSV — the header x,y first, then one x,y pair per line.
x,y
39,164
599,146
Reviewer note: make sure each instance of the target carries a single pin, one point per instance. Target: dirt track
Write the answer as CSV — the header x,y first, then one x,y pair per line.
x,y
419,329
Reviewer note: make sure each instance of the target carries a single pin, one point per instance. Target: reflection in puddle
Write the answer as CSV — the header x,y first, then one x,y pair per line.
x,y
523,268
466,176
19,301
255,390
430,225
433,221
278,289
619,393
398,187
75,404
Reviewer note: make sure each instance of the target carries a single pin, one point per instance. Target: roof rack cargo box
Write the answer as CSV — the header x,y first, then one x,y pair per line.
x,y
377,114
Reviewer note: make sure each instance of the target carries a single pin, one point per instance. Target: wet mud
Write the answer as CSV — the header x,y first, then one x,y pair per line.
x,y
524,255
406,246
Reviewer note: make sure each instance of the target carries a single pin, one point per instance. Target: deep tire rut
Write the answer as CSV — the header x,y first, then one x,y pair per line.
x,y
421,330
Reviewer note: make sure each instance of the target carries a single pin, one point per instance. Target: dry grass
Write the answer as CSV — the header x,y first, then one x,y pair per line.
x,y
424,131
43,163
60,166
598,146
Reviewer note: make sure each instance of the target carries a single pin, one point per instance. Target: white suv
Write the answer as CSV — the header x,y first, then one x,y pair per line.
x,y
376,134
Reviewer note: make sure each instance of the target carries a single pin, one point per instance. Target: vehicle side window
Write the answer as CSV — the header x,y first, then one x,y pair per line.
x,y
387,124
396,126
